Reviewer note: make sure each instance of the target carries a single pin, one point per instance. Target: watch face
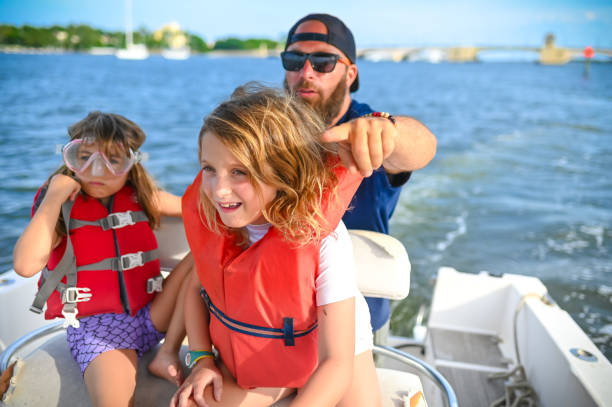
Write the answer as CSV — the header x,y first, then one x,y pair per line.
x,y
188,359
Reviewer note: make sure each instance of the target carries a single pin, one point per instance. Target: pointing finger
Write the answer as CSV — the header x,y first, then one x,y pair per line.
x,y
375,146
336,134
361,151
346,156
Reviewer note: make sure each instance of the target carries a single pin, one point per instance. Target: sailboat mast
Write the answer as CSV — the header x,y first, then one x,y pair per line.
x,y
129,41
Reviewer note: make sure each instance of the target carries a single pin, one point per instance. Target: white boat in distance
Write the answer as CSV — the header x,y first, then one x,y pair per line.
x,y
131,50
176,53
489,341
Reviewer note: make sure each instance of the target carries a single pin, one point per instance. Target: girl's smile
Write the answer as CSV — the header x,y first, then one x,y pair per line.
x,y
228,207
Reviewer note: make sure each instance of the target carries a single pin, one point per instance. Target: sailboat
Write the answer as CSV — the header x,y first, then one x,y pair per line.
x,y
131,51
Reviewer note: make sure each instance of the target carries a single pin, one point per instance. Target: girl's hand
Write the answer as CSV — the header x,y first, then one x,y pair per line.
x,y
63,187
203,373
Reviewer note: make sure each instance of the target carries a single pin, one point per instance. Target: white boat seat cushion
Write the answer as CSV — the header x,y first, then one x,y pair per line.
x,y
383,267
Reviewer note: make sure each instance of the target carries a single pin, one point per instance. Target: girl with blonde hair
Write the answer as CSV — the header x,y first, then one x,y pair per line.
x,y
275,290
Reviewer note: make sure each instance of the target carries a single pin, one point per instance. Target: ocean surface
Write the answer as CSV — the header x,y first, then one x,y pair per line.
x,y
520,184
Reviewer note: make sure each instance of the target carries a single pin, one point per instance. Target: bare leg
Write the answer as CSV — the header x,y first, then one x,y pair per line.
x,y
364,389
116,370
167,313
164,303
166,363
233,395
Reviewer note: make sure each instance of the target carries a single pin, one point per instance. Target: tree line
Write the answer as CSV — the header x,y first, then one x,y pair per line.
x,y
83,37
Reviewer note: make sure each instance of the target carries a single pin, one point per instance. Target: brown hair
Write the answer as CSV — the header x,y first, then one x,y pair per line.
x,y
111,130
265,129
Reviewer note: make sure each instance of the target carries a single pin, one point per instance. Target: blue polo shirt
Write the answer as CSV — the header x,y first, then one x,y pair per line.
x,y
372,207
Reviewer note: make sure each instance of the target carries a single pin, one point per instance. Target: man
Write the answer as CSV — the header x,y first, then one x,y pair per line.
x,y
319,62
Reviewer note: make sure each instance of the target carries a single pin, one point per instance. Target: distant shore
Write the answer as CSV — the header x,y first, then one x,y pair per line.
x,y
234,53
17,49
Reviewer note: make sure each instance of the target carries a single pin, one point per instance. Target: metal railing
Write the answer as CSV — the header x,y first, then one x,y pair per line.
x,y
448,394
25,340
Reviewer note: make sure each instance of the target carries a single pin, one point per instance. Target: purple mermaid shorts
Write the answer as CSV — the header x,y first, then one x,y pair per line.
x,y
100,333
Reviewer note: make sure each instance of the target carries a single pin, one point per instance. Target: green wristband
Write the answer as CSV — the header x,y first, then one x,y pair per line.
x,y
194,355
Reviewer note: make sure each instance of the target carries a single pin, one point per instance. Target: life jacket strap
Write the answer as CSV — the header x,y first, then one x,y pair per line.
x,y
155,284
115,220
70,311
66,267
287,333
122,263
75,294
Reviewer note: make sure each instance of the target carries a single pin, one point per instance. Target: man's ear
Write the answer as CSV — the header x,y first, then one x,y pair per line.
x,y
351,74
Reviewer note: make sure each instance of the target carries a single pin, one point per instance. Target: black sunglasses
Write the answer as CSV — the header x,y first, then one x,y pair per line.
x,y
320,61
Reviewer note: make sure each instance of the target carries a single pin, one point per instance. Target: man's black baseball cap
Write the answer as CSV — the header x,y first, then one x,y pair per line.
x,y
337,35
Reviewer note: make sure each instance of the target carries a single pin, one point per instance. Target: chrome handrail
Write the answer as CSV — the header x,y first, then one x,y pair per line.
x,y
27,339
450,399
448,394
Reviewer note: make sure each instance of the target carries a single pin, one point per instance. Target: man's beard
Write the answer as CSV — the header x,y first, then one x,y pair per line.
x,y
327,109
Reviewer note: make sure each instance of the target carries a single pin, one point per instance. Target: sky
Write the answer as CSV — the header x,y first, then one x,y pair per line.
x,y
380,23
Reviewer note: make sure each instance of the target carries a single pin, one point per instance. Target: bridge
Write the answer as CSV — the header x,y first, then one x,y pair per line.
x,y
549,53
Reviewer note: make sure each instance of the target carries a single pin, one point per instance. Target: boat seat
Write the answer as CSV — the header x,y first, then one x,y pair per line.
x,y
57,381
383,267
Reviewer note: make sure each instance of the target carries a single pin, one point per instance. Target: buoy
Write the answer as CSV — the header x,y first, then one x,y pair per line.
x,y
588,54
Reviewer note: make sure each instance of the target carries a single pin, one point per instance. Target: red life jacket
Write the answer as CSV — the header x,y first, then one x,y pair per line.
x,y
118,284
262,300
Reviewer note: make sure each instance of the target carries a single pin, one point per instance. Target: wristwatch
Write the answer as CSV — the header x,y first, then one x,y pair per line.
x,y
194,355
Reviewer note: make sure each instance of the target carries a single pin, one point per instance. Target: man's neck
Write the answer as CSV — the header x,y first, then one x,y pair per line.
x,y
345,106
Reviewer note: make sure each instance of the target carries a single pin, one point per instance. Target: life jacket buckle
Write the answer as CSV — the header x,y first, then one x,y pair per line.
x,y
118,220
155,284
70,318
131,260
72,295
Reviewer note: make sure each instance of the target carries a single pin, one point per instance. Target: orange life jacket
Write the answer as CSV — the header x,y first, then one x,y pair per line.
x,y
113,260
262,299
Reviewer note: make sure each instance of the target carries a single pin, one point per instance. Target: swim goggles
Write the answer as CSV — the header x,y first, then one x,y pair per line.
x,y
320,61
82,153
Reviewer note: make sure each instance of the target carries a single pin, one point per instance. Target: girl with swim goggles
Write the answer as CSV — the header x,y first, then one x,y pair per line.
x,y
100,161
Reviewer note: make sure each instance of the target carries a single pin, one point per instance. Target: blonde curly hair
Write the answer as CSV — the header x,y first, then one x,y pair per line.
x,y
268,129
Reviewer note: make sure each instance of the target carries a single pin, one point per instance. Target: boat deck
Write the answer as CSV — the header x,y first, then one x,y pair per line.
x,y
466,360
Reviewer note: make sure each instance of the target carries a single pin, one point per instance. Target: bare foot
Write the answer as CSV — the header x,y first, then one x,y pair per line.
x,y
167,366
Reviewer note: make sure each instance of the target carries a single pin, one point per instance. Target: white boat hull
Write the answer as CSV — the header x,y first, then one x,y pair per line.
x,y
548,338
133,52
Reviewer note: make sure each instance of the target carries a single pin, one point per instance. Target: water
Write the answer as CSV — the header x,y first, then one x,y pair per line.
x,y
520,183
